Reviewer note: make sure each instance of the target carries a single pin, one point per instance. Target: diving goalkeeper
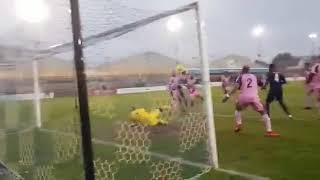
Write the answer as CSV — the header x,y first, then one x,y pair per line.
x,y
148,118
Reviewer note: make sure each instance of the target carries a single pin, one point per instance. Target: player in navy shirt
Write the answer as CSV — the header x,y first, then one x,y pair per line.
x,y
275,80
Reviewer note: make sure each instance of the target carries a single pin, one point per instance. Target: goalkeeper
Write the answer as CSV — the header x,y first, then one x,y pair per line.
x,y
148,118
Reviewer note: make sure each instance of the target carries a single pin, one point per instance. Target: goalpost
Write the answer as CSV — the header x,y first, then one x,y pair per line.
x,y
118,148
94,39
184,149
34,94
206,80
127,149
37,98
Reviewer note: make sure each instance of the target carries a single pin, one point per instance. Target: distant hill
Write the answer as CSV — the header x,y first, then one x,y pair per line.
x,y
235,61
56,67
49,68
145,63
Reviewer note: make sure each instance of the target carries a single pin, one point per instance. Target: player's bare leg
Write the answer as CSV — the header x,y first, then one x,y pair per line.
x,y
177,102
183,100
238,118
267,122
308,101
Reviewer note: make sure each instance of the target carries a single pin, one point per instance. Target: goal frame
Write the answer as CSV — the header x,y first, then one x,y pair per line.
x,y
82,89
77,46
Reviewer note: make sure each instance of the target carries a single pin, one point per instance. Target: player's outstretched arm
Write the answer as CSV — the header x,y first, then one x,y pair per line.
x,y
283,79
266,84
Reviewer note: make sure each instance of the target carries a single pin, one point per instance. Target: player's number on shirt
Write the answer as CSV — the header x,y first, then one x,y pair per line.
x,y
249,82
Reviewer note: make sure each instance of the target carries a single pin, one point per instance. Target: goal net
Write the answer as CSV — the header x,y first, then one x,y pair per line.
x,y
141,127
39,124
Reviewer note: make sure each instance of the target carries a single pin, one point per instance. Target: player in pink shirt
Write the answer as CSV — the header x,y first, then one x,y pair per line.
x,y
308,86
248,85
192,89
314,78
225,80
173,87
172,83
175,90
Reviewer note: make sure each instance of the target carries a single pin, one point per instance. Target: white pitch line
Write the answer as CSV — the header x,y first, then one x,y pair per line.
x,y
257,117
167,157
245,175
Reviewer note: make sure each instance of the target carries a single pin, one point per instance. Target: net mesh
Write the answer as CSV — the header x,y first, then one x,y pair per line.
x,y
44,173
193,131
123,68
134,143
126,45
51,151
105,170
26,145
66,147
166,170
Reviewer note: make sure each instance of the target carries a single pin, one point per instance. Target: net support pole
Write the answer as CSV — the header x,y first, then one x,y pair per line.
x,y
82,91
206,84
36,89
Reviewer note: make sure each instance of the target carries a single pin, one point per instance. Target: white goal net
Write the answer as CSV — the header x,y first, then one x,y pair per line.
x,y
131,54
143,125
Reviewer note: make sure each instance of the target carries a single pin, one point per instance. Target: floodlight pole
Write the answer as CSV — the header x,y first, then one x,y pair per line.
x,y
36,89
206,84
82,91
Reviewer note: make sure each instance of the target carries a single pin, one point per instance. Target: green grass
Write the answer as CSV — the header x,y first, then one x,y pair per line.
x,y
293,156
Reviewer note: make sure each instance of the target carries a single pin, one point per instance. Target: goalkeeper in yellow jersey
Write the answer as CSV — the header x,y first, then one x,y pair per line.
x,y
148,118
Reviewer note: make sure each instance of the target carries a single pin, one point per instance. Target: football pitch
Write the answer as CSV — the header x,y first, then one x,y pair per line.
x,y
52,151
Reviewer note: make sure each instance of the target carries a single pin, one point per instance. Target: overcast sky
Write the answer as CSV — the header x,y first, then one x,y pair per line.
x,y
229,24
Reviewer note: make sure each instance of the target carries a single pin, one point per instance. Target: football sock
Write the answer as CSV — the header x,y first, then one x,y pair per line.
x,y
267,122
238,117
308,101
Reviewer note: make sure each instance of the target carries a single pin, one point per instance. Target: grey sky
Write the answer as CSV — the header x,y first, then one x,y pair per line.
x,y
228,23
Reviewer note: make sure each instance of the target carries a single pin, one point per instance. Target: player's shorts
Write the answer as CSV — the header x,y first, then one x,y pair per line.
x,y
278,96
309,87
254,102
316,89
224,85
176,93
193,93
